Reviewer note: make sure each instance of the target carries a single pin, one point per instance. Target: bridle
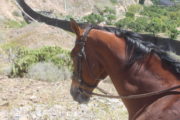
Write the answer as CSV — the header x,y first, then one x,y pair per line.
x,y
85,86
80,56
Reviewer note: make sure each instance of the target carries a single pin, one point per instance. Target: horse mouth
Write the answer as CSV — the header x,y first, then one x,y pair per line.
x,y
78,96
81,99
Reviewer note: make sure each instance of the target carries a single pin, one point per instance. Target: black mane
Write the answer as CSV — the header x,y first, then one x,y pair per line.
x,y
138,48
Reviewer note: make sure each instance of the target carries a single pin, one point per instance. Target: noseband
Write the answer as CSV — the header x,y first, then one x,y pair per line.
x,y
85,86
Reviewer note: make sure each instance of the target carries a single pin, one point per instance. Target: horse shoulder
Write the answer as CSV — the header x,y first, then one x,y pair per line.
x,y
165,108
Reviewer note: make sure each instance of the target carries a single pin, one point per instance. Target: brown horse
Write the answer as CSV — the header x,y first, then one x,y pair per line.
x,y
134,66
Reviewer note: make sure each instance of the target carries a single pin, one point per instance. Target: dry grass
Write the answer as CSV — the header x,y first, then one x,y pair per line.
x,y
48,72
36,35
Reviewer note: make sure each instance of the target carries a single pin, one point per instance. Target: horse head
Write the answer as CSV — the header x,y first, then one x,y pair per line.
x,y
87,71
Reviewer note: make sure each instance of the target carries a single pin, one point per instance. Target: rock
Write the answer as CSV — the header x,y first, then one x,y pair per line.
x,y
24,117
3,115
4,104
34,99
2,18
148,3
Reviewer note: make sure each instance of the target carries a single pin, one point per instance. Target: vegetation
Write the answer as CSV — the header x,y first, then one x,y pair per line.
x,y
135,8
108,15
25,58
114,1
138,18
155,1
14,24
47,71
153,19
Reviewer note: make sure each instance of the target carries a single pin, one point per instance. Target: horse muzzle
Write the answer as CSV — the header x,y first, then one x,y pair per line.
x,y
79,95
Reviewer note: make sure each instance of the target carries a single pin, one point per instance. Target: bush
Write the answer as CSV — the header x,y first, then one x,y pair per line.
x,y
108,15
155,2
154,11
135,8
26,58
124,23
138,25
154,26
48,71
15,24
130,14
173,33
141,24
114,1
154,19
94,18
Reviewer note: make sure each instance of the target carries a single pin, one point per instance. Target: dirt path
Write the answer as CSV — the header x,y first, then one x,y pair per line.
x,y
27,99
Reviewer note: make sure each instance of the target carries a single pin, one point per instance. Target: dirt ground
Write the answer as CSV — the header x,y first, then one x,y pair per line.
x,y
27,99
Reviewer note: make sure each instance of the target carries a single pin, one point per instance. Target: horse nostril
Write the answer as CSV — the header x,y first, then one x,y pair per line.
x,y
74,91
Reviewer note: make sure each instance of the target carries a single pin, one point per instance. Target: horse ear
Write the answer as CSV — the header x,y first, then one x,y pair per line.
x,y
76,28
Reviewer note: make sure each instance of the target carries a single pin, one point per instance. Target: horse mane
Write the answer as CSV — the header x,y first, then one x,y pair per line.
x,y
139,49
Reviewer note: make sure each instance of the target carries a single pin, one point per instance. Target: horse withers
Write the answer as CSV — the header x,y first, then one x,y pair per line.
x,y
135,67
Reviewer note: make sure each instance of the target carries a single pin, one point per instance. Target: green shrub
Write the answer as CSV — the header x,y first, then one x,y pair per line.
x,y
114,1
154,11
16,13
130,14
141,24
153,19
173,33
124,23
15,24
109,10
27,57
94,18
155,2
137,25
154,26
108,15
135,8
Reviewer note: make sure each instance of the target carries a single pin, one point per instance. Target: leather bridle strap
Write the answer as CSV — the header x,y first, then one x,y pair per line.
x,y
82,56
138,96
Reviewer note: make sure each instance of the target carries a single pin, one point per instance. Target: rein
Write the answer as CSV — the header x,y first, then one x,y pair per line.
x,y
86,87
138,96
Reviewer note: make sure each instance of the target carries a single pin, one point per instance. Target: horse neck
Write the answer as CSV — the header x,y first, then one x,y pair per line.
x,y
151,76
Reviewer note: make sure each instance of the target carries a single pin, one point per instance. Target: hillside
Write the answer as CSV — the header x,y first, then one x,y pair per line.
x,y
11,20
9,10
38,98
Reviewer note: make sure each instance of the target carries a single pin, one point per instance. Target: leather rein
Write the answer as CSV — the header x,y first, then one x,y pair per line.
x,y
84,86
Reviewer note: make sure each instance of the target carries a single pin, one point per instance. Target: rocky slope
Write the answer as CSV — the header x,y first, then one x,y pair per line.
x,y
8,8
27,99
